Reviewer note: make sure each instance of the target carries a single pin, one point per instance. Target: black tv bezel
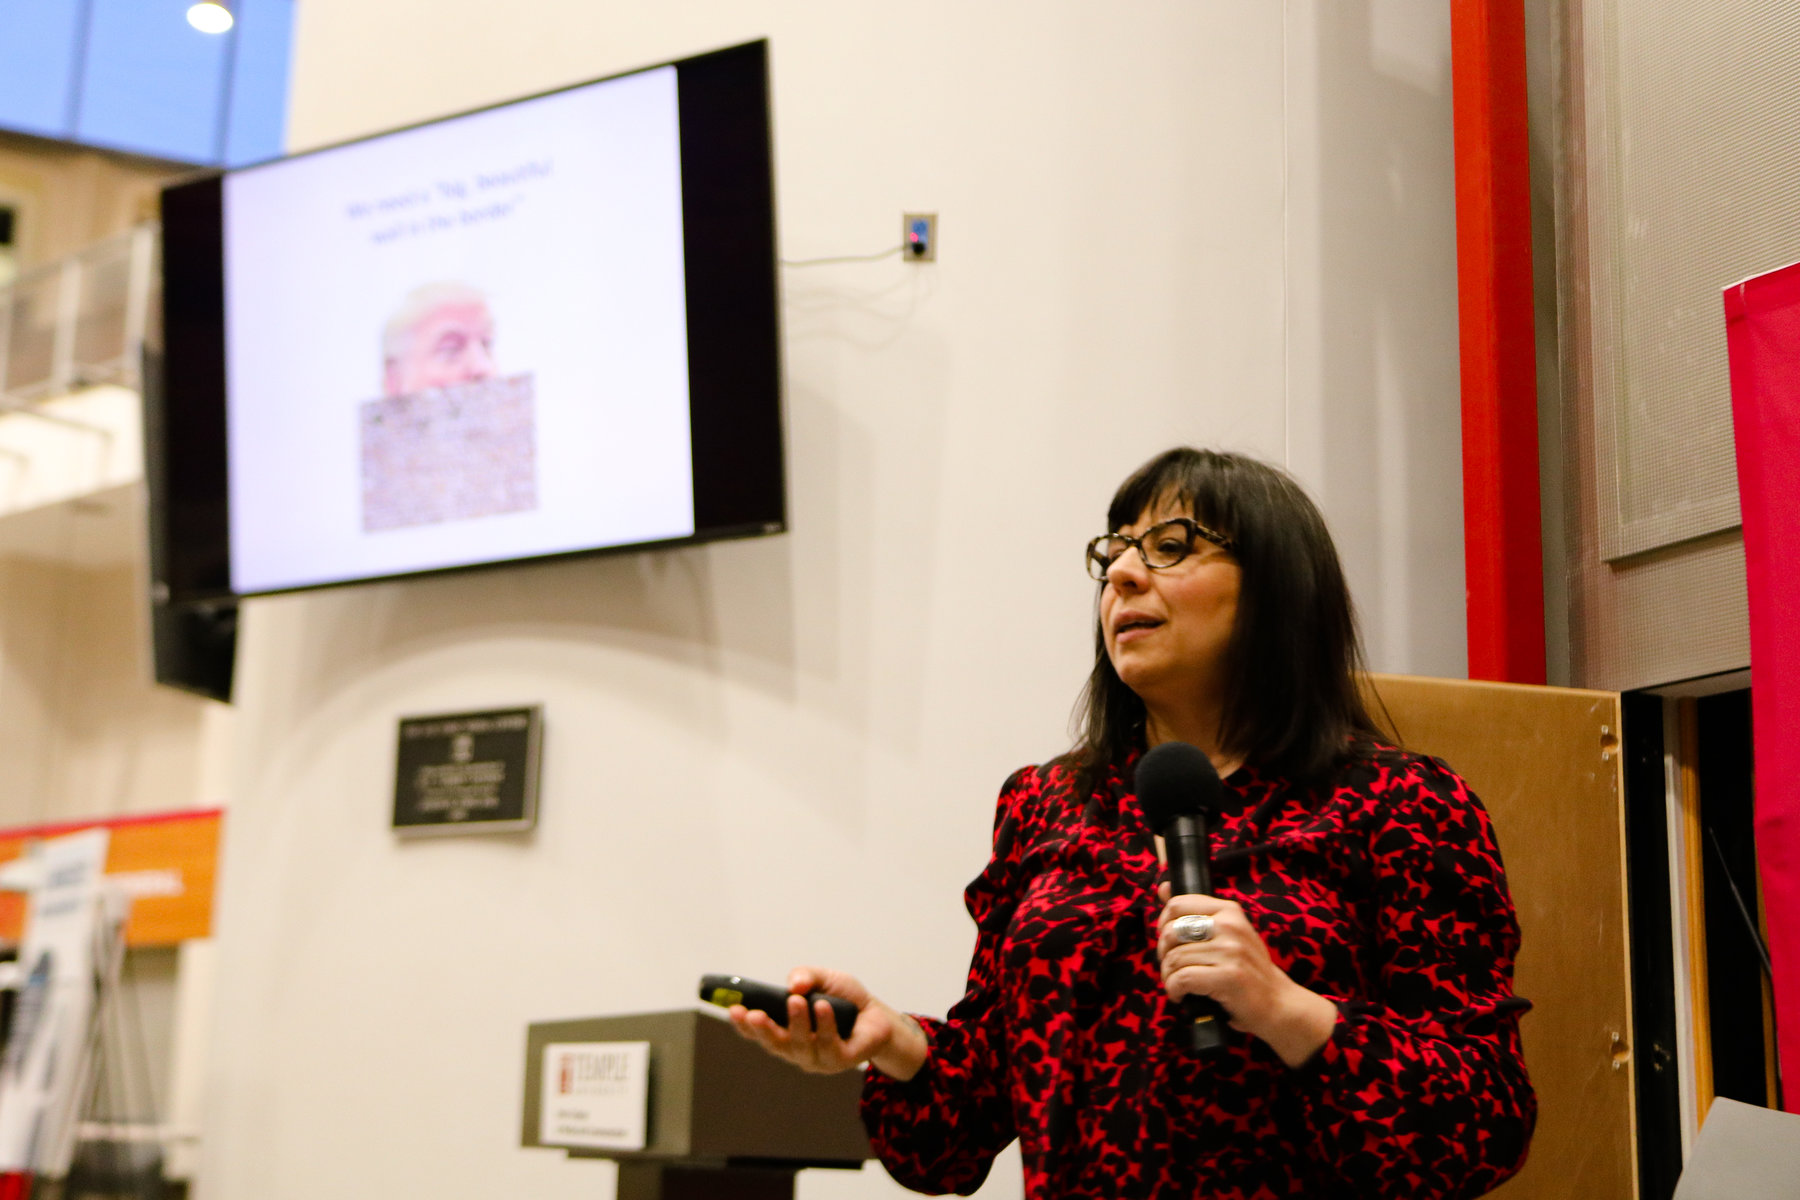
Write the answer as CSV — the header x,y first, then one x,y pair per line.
x,y
733,336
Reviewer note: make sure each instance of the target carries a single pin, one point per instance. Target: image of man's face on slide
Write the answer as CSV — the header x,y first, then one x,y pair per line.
x,y
442,335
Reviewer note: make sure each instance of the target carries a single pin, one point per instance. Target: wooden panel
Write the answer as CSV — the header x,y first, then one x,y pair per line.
x,y
186,843
1546,763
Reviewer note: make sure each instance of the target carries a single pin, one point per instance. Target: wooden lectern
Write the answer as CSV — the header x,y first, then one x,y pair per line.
x,y
726,1121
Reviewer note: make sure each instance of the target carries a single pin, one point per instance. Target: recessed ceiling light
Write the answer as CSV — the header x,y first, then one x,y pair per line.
x,y
210,17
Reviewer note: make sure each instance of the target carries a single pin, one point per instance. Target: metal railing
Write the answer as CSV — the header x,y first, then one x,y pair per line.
x,y
79,322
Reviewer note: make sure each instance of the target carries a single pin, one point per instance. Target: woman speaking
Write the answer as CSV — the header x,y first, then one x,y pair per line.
x,y
1360,937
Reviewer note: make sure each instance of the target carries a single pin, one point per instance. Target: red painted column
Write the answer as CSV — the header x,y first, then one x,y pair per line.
x,y
1502,519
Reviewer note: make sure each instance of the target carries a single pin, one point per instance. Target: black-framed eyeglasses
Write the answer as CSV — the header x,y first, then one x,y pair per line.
x,y
1161,546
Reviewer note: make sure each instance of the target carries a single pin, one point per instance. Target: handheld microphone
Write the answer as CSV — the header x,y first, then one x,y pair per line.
x,y
1179,789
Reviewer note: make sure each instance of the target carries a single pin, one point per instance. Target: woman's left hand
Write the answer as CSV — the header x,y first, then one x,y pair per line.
x,y
1233,967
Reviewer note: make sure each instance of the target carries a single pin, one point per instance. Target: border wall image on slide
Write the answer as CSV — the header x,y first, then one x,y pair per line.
x,y
449,439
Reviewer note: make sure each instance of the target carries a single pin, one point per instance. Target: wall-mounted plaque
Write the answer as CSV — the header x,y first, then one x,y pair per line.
x,y
468,772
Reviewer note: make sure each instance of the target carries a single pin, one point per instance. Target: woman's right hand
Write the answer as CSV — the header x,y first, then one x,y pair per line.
x,y
890,1041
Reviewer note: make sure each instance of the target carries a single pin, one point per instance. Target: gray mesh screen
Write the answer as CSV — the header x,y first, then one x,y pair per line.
x,y
1654,568
1675,614
1694,166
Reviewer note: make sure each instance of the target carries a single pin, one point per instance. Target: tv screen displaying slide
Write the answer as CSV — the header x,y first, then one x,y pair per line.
x,y
540,329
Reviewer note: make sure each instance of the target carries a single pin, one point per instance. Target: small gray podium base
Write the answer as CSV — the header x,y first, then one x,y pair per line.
x,y
725,1122
665,1181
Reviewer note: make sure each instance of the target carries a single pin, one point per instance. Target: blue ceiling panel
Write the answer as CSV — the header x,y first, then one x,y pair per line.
x,y
257,126
38,59
134,75
152,83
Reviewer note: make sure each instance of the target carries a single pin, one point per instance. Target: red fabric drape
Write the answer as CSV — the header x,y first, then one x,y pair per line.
x,y
1762,321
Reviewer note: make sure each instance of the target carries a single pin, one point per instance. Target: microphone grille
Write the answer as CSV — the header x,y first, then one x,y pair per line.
x,y
1173,780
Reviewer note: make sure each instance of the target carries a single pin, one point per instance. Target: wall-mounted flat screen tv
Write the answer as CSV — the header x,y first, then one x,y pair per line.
x,y
540,329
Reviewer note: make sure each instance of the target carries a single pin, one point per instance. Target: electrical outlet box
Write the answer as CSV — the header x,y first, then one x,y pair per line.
x,y
918,237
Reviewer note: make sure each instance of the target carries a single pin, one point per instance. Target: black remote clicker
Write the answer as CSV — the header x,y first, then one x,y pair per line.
x,y
727,990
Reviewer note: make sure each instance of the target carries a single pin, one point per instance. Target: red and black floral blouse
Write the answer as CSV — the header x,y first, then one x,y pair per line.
x,y
1383,892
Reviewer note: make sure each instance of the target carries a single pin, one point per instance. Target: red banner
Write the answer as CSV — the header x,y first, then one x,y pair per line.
x,y
1762,321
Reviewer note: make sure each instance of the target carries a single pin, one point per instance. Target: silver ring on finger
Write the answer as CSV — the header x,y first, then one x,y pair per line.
x,y
1192,928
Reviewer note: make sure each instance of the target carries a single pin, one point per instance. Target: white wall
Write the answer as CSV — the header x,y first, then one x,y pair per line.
x,y
83,732
1374,418
785,750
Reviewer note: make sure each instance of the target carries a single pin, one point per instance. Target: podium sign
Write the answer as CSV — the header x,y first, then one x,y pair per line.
x,y
468,772
596,1095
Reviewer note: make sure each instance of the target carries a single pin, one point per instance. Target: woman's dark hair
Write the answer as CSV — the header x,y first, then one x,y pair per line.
x,y
1292,703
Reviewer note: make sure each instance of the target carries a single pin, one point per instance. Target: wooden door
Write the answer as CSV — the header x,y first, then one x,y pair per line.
x,y
1546,763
